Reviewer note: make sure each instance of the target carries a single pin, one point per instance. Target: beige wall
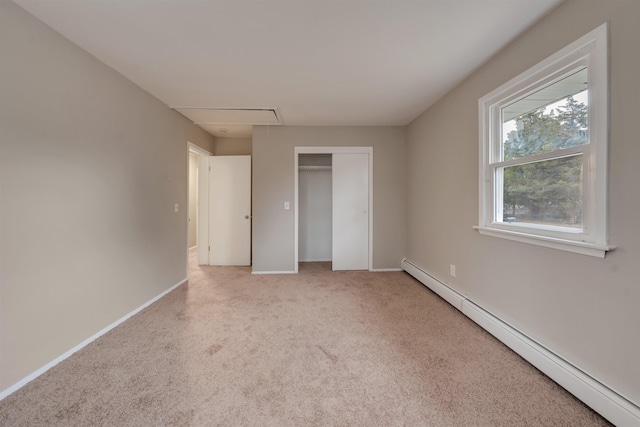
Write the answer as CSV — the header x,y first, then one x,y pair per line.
x,y
198,136
91,167
233,146
585,309
273,184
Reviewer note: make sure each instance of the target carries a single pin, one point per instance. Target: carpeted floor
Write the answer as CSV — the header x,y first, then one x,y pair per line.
x,y
318,348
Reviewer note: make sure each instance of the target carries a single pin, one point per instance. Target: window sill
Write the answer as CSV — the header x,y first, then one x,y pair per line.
x,y
594,250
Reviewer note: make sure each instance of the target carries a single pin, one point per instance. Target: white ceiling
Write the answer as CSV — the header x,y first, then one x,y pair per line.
x,y
319,62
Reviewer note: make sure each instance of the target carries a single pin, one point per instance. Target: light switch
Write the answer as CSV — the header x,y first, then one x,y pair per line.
x,y
175,208
286,206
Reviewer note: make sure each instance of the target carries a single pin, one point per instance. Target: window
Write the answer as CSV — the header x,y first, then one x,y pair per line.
x,y
543,159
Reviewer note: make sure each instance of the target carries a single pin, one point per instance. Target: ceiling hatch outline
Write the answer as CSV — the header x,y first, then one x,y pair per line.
x,y
231,115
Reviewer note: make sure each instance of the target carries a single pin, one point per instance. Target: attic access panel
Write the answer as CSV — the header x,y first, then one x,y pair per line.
x,y
224,116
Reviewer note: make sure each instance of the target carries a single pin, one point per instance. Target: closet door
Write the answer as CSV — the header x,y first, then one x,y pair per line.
x,y
350,176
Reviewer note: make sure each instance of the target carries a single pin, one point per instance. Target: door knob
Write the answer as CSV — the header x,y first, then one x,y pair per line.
x,y
246,217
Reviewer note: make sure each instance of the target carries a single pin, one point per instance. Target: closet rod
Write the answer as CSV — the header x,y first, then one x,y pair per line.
x,y
314,168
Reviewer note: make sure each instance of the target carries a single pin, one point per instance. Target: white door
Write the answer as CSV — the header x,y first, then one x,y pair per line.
x,y
350,176
230,210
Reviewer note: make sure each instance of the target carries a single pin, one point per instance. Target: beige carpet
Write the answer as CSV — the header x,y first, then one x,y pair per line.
x,y
319,348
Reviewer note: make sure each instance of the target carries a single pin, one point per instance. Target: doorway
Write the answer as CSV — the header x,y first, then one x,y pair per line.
x,y
192,214
351,223
198,202
222,191
314,208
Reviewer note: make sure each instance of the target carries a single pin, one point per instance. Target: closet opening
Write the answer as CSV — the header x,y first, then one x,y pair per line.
x,y
333,191
315,210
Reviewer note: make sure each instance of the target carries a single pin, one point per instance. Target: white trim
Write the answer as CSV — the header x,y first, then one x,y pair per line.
x,y
601,398
296,177
296,189
273,272
203,203
197,150
331,150
383,270
84,343
589,51
583,248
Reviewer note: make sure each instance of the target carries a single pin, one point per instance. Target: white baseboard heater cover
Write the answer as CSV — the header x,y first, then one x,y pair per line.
x,y
602,399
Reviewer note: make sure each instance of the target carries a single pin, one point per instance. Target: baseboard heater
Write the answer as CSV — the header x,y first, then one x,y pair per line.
x,y
611,405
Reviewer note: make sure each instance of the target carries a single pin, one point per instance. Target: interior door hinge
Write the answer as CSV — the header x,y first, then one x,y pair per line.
x,y
209,248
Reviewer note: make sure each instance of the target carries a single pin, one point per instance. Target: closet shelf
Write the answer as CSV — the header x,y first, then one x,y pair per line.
x,y
314,168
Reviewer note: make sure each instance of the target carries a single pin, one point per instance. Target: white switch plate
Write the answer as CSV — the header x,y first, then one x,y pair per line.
x,y
286,206
176,208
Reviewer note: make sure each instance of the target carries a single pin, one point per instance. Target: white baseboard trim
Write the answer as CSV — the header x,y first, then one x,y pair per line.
x,y
273,272
601,398
84,343
382,270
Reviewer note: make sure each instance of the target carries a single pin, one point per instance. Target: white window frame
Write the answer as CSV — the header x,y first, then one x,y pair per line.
x,y
589,51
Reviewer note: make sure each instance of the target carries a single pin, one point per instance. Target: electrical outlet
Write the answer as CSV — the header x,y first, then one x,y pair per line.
x,y
452,270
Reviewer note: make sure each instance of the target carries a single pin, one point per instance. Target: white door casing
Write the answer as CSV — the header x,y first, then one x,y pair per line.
x,y
202,215
230,210
332,150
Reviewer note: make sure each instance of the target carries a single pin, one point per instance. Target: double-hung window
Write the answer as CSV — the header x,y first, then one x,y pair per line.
x,y
543,152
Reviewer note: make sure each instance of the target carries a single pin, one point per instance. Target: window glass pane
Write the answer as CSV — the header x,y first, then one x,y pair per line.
x,y
547,192
552,118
